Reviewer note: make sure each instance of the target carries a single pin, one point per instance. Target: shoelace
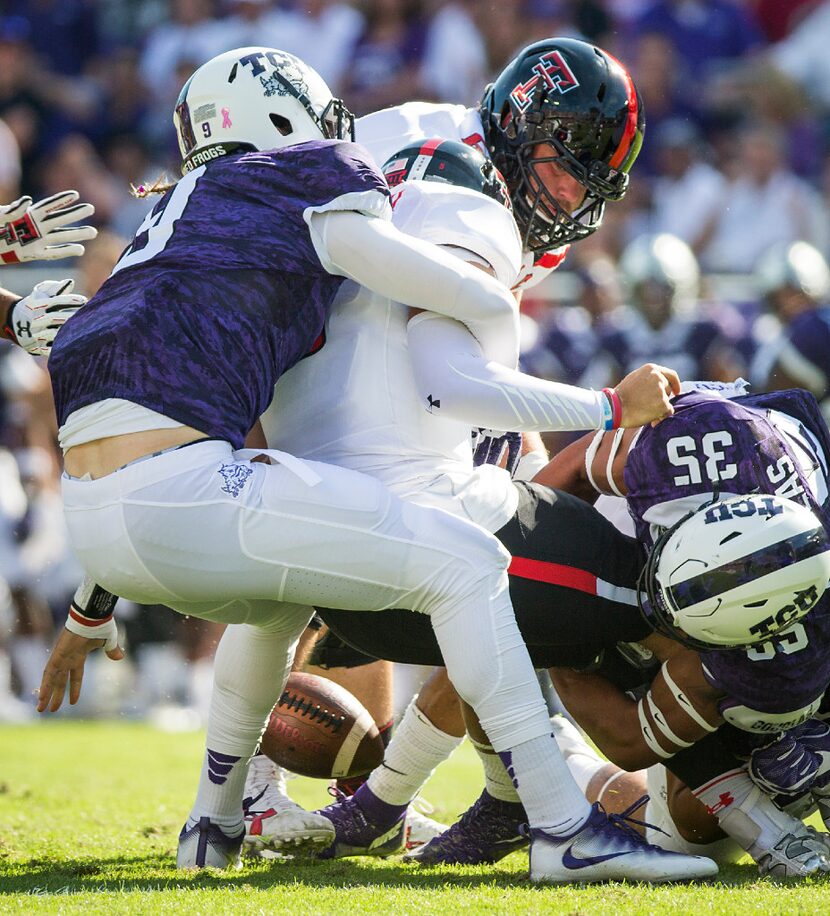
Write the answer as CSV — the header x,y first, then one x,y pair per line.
x,y
348,809
628,824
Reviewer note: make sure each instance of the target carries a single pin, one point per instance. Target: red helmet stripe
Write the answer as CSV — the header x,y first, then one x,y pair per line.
x,y
428,148
631,123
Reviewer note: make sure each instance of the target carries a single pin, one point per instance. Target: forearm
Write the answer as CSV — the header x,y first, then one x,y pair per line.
x,y
607,714
450,366
415,273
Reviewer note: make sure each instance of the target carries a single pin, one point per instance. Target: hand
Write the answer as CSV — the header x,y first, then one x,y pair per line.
x,y
489,446
797,760
67,661
644,395
41,231
35,320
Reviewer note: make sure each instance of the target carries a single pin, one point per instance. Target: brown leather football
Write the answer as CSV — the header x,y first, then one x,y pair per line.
x,y
319,729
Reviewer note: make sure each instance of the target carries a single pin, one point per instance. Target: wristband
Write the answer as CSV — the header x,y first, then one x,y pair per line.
x,y
92,603
611,409
93,629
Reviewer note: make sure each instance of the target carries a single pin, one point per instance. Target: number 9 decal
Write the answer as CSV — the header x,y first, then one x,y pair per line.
x,y
206,128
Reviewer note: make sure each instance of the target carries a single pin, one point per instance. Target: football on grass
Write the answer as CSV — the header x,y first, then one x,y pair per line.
x,y
319,729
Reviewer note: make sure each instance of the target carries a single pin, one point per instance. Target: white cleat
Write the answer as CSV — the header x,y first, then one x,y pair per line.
x,y
605,848
782,846
418,828
204,845
796,855
275,824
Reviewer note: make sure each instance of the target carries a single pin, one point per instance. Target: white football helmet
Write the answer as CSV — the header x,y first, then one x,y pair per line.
x,y
736,572
796,265
255,99
667,261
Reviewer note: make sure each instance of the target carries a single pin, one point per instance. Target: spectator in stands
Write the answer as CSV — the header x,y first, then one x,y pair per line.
x,y
455,64
320,32
706,34
658,77
63,32
192,34
386,60
688,192
764,203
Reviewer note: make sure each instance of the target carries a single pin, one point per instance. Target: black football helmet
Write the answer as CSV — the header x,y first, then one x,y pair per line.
x,y
579,101
447,160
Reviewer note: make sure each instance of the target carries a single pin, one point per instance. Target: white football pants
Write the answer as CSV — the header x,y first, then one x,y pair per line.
x,y
210,533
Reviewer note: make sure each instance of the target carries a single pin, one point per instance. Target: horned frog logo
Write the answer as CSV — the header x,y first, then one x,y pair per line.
x,y
235,477
288,72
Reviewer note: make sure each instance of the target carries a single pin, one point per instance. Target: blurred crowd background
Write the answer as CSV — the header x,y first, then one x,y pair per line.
x,y
714,263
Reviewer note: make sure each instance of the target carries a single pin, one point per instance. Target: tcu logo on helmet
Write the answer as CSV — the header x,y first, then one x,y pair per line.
x,y
803,601
554,74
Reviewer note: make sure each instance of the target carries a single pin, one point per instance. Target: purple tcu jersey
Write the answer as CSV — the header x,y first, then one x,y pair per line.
x,y
219,293
734,444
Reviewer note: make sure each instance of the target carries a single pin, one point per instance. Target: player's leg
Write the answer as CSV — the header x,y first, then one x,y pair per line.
x,y
777,840
306,533
251,666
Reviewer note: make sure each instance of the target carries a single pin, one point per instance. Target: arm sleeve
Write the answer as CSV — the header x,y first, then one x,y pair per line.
x,y
450,367
375,254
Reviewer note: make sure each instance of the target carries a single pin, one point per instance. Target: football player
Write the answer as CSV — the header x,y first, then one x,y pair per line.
x,y
563,123
579,566
158,382
41,231
664,321
795,281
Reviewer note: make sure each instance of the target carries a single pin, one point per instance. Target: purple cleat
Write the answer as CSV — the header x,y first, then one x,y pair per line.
x,y
364,826
486,832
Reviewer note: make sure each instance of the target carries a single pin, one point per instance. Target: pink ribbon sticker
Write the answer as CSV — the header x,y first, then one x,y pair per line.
x,y
226,118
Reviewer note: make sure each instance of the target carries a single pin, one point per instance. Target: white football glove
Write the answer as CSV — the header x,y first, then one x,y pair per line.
x,y
34,321
41,231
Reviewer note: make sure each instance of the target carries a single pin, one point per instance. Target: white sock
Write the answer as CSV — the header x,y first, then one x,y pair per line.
x,y
541,775
251,667
496,781
416,749
745,813
582,760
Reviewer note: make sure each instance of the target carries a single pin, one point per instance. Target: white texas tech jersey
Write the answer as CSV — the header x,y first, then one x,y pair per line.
x,y
384,132
354,403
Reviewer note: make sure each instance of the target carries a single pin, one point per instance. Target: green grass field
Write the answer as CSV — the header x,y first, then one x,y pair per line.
x,y
89,815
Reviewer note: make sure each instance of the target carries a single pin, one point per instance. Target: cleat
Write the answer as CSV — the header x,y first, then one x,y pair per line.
x,y
204,845
607,848
275,825
357,835
418,828
485,833
795,855
782,846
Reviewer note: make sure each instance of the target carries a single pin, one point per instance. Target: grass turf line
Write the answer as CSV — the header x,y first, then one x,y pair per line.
x,y
90,813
